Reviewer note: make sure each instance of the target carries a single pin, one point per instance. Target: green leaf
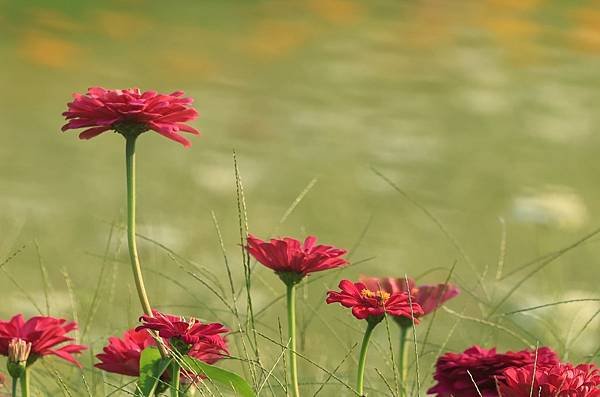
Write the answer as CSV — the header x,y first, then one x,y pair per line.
x,y
219,376
152,366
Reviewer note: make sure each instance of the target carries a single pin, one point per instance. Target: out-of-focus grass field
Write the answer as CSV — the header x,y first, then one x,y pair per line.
x,y
482,112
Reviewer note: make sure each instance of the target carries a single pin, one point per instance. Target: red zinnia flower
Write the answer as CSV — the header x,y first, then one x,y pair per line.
x,y
372,304
288,255
44,334
559,381
430,297
131,111
485,366
190,331
122,355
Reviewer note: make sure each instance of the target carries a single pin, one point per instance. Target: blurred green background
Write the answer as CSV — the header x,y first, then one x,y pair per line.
x,y
483,112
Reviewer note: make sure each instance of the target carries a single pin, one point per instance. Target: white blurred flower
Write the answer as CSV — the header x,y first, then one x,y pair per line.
x,y
557,206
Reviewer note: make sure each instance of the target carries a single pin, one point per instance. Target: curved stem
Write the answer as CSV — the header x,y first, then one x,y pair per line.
x,y
403,359
291,312
25,383
15,381
133,254
136,267
175,369
362,360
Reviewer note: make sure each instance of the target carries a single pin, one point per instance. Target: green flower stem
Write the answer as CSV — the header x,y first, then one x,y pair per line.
x,y
403,359
133,253
291,312
175,370
24,383
362,360
131,241
15,381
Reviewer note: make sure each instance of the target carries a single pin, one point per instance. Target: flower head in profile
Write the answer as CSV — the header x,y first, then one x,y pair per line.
x,y
131,112
122,355
430,297
560,380
183,334
372,304
290,258
458,373
47,336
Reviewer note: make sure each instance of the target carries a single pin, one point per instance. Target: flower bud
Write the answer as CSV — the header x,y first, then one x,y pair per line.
x,y
18,353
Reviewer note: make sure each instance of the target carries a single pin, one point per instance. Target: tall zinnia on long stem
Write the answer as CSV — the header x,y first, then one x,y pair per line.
x,y
131,112
372,305
292,261
429,297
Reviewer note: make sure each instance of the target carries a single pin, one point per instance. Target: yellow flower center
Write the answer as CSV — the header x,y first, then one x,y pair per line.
x,y
380,295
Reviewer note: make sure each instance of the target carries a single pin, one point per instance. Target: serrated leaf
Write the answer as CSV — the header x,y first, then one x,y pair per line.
x,y
152,366
219,376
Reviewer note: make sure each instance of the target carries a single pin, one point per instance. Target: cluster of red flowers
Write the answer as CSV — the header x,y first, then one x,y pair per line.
x,y
368,298
204,342
45,335
559,380
526,373
458,373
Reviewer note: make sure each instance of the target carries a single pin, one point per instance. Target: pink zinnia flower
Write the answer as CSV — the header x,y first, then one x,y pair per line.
x,y
485,366
430,297
190,332
131,112
289,257
44,334
558,381
122,355
371,304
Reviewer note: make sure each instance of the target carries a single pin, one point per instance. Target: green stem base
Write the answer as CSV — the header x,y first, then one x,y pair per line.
x,y
15,382
175,370
25,383
362,359
403,360
291,313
